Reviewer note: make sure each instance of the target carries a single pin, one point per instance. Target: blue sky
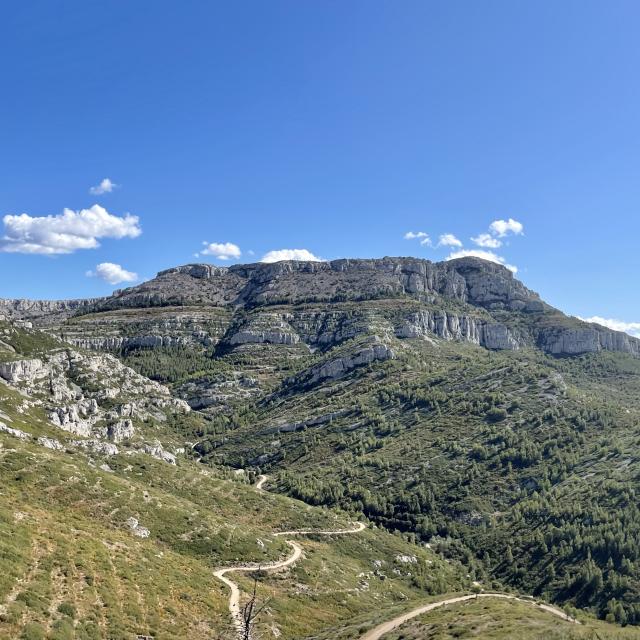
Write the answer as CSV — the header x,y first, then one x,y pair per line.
x,y
330,126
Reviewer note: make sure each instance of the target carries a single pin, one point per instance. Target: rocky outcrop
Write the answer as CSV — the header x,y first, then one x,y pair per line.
x,y
98,447
427,324
78,418
468,280
51,443
156,450
495,309
44,310
121,430
265,328
423,324
137,529
499,337
338,367
89,395
588,338
16,433
220,391
23,370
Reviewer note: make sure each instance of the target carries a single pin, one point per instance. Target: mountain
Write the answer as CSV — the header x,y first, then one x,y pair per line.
x,y
443,402
467,299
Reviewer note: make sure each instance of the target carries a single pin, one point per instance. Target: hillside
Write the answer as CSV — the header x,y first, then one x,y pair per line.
x,y
444,402
109,534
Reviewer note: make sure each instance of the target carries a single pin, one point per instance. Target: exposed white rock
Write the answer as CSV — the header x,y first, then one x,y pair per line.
x,y
157,451
266,328
16,433
498,336
136,529
97,446
23,370
51,443
338,367
405,559
121,430
424,324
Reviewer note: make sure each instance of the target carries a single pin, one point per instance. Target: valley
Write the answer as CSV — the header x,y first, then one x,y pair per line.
x,y
482,440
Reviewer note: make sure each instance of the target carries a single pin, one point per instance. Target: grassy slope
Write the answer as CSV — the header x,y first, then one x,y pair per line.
x,y
470,449
70,566
65,540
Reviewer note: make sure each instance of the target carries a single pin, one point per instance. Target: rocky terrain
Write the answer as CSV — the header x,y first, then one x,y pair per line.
x,y
466,299
445,402
92,396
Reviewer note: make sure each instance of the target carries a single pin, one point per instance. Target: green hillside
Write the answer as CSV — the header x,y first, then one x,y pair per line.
x,y
472,426
75,565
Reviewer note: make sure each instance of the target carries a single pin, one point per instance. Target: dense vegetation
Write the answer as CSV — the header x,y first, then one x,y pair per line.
x,y
519,465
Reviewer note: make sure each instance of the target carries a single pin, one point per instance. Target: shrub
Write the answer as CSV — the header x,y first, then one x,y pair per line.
x,y
33,631
67,609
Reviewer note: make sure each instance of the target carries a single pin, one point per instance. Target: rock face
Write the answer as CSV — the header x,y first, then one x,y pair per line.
x,y
425,324
23,370
45,310
201,306
338,367
587,339
16,433
470,280
265,328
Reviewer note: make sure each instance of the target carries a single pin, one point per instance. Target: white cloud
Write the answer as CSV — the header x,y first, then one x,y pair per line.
x,y
112,273
105,186
487,240
412,235
290,254
485,255
66,232
449,240
632,328
221,250
501,228
418,235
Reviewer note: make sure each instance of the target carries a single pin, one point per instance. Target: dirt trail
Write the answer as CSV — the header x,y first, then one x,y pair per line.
x,y
234,598
261,480
378,632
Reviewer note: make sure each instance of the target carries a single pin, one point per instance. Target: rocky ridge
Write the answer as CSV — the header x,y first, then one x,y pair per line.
x,y
468,299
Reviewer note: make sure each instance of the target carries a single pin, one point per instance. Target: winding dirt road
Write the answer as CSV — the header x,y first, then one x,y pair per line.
x,y
261,480
234,597
377,632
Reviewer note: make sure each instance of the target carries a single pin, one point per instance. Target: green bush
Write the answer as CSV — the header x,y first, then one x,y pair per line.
x,y
33,631
67,609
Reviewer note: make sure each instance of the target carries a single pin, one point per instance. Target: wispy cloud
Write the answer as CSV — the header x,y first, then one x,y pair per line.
x,y
66,232
112,273
105,186
290,254
418,235
632,328
487,240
